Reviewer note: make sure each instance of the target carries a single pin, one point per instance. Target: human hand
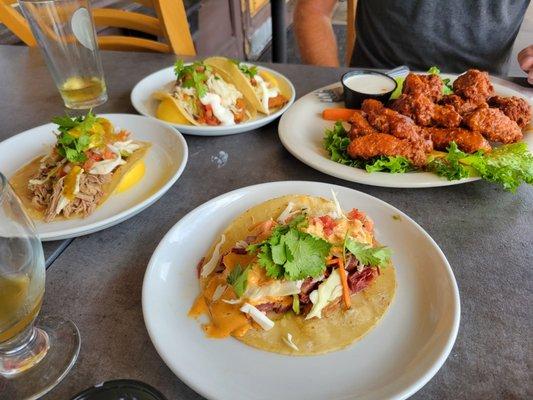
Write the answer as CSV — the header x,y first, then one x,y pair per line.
x,y
525,60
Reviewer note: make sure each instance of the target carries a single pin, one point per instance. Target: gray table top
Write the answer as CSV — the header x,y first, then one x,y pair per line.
x,y
96,281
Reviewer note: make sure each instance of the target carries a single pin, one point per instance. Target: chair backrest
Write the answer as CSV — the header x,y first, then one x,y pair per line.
x,y
350,31
170,24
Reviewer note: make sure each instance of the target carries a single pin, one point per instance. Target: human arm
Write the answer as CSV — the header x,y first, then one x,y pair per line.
x,y
314,32
525,59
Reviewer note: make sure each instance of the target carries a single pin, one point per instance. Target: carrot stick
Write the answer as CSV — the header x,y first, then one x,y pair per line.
x,y
345,288
337,114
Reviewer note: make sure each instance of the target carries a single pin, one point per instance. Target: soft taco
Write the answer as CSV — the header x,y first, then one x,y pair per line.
x,y
266,93
202,95
295,275
85,166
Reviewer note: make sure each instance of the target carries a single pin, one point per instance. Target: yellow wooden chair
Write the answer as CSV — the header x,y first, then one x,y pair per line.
x,y
170,24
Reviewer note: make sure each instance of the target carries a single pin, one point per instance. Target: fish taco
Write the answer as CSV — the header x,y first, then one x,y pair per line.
x,y
266,93
86,165
202,95
295,275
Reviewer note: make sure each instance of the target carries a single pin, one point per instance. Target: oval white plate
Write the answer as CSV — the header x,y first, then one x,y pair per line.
x,y
164,162
393,361
301,130
145,104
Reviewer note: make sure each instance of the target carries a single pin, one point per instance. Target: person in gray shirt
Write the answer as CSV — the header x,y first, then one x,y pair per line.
x,y
454,35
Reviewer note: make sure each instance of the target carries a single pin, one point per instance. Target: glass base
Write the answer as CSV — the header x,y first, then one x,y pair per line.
x,y
84,105
62,338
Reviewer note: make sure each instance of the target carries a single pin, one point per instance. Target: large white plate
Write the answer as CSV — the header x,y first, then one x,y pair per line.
x,y
301,130
393,361
143,101
164,162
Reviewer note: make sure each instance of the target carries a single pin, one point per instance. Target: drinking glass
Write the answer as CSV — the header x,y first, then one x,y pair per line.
x,y
32,359
65,33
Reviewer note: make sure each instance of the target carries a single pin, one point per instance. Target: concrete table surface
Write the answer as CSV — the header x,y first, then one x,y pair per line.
x,y
485,233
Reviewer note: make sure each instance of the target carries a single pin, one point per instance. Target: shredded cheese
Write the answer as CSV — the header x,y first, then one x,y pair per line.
x,y
340,214
286,213
288,341
219,291
262,320
212,263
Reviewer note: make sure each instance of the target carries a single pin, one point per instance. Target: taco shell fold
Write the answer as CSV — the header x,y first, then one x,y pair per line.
x,y
231,72
19,181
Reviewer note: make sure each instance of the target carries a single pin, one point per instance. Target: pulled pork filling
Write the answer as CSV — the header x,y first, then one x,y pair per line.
x,y
47,195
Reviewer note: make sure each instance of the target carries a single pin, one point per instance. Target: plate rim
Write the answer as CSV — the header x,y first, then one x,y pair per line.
x,y
338,170
128,213
215,131
407,392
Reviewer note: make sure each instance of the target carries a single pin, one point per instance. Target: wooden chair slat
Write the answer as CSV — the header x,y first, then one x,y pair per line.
x,y
125,43
171,23
127,20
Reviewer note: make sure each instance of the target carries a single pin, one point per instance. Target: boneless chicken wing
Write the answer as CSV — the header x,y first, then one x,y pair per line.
x,y
389,121
494,125
460,105
466,140
360,125
514,107
421,109
429,85
474,85
382,144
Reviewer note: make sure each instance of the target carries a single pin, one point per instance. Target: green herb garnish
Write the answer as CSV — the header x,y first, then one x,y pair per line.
x,y
74,136
367,255
238,279
192,76
250,70
292,254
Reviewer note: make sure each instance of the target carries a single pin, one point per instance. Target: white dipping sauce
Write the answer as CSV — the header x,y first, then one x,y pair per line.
x,y
369,83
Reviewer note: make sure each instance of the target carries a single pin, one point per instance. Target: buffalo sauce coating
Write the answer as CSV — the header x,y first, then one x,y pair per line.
x,y
225,319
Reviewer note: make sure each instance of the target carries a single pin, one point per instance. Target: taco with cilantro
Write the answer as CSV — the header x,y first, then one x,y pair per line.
x,y
261,88
295,275
202,95
85,166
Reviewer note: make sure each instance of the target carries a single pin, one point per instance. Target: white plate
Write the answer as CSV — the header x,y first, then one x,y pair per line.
x,y
143,101
301,130
164,162
393,361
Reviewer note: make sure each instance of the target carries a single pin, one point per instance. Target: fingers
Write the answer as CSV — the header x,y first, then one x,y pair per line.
x,y
525,59
530,77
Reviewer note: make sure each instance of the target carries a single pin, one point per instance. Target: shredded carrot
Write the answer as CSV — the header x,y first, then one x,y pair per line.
x,y
337,114
332,261
345,288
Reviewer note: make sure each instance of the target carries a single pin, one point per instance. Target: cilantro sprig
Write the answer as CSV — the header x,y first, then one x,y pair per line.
x,y
238,279
250,70
336,142
192,75
71,146
292,254
378,256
